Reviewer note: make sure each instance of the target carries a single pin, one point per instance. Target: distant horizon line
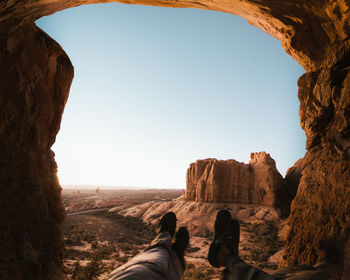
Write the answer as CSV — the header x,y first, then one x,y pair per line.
x,y
101,187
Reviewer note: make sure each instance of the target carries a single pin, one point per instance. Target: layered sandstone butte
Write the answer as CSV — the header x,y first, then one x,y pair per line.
x,y
35,75
258,182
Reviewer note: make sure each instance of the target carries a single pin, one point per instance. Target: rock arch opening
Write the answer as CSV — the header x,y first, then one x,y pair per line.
x,y
196,91
35,79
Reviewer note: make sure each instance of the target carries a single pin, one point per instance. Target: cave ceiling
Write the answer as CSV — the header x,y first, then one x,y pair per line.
x,y
314,33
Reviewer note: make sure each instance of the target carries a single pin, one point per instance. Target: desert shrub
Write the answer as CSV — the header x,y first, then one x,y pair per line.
x,y
68,241
89,237
105,251
91,271
120,239
110,267
264,243
75,254
74,239
196,274
134,252
210,271
116,255
125,246
94,244
124,258
193,249
205,233
143,232
94,268
74,235
75,270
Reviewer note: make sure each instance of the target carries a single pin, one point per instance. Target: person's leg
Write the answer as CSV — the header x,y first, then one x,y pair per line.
x,y
236,269
223,251
158,261
180,244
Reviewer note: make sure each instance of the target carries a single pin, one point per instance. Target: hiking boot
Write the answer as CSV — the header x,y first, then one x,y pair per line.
x,y
226,239
167,223
182,238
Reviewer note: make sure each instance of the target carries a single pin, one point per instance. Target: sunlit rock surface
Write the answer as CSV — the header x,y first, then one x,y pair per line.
x,y
320,212
213,180
35,75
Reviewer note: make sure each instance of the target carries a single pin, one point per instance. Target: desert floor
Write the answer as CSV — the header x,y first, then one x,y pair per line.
x,y
100,234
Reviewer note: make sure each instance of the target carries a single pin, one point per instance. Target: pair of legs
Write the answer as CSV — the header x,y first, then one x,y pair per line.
x,y
164,259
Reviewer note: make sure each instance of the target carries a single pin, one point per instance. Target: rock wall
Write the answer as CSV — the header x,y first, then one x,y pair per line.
x,y
320,213
258,182
35,76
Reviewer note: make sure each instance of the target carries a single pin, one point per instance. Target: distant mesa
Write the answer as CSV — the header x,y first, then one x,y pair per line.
x,y
257,183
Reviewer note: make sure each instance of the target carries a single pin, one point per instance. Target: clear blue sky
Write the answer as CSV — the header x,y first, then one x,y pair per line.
x,y
158,88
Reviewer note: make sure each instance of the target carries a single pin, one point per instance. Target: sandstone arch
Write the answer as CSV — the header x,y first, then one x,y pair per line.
x,y
35,76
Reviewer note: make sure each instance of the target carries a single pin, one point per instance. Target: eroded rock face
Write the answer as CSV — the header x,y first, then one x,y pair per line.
x,y
35,76
213,180
320,212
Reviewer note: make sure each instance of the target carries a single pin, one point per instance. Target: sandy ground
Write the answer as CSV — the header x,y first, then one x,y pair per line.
x,y
104,230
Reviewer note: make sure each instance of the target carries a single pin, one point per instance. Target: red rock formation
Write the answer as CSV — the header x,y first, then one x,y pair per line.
x,y
213,180
35,75
320,212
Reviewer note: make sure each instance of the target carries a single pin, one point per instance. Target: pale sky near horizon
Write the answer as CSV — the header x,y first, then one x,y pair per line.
x,y
158,88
